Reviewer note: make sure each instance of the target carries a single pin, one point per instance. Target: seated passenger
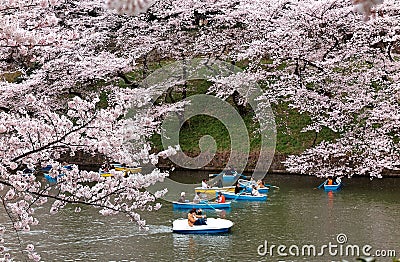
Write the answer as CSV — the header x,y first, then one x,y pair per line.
x,y
182,199
221,198
197,198
204,184
238,189
219,183
231,171
260,184
194,219
255,192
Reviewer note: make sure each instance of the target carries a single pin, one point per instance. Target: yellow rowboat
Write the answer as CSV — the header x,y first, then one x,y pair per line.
x,y
106,175
126,170
129,169
212,190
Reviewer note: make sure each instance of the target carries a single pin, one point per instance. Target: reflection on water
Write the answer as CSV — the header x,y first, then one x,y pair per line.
x,y
202,246
368,212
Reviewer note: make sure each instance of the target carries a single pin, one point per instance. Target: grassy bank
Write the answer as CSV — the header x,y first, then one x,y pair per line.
x,y
289,123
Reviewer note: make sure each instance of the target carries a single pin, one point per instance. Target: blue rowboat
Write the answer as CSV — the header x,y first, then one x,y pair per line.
x,y
262,190
244,196
248,185
46,168
336,185
214,226
333,187
54,179
49,167
202,205
227,178
51,179
28,172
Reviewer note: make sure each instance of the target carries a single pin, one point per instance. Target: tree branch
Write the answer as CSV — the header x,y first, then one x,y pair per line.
x,y
54,142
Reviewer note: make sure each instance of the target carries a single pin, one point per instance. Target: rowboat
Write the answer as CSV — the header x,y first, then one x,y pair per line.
x,y
51,179
248,185
244,196
336,185
202,205
214,226
105,174
129,169
262,190
28,171
118,167
212,190
46,168
333,187
227,178
49,167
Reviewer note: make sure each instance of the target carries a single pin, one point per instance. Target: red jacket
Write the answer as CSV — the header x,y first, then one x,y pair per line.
x,y
221,199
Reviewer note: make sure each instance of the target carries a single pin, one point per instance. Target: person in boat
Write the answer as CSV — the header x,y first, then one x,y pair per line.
x,y
252,182
221,198
204,184
192,217
219,183
338,180
197,198
231,171
329,182
196,219
199,214
260,184
105,168
238,189
182,198
201,219
254,191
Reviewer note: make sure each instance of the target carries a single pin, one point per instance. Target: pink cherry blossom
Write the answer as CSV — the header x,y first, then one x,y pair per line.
x,y
30,247
64,88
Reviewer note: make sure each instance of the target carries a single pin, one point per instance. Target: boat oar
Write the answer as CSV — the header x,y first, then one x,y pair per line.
x,y
222,213
217,210
323,183
239,194
271,186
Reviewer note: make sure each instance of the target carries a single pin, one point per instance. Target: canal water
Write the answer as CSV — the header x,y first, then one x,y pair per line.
x,y
296,217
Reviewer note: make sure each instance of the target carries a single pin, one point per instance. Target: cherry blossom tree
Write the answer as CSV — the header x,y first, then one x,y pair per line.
x,y
341,71
336,61
65,88
332,60
61,93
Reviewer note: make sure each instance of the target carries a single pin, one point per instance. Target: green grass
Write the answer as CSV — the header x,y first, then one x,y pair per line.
x,y
289,122
290,138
